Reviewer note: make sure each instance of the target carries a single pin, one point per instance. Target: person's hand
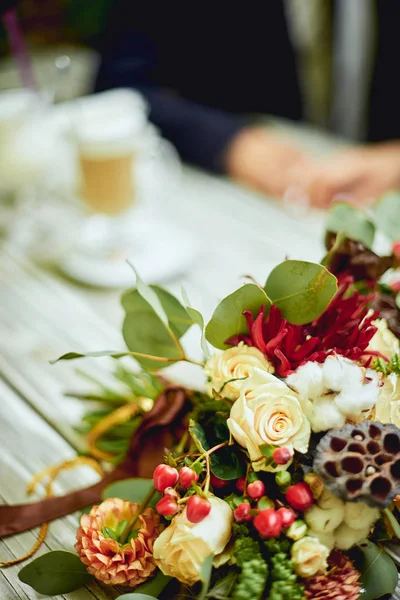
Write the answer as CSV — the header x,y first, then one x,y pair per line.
x,y
362,174
262,160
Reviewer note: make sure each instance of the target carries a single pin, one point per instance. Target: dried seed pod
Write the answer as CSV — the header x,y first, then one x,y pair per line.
x,y
361,462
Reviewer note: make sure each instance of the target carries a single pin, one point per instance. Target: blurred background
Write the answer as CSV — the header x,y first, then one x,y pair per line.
x,y
293,101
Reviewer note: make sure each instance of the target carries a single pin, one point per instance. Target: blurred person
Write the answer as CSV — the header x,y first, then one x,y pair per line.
x,y
205,69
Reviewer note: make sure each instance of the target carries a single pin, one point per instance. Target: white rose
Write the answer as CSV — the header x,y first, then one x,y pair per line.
x,y
182,548
387,408
384,341
309,556
268,412
235,363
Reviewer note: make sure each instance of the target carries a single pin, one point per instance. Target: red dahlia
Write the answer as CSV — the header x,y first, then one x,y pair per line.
x,y
343,328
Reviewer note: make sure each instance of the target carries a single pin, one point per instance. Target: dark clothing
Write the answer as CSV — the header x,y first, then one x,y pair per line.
x,y
201,69
205,68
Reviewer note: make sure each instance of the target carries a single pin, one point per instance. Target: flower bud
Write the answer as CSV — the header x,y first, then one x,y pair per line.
x,y
167,506
241,484
186,476
217,482
164,476
315,484
283,479
268,523
255,490
169,491
282,455
241,513
197,509
396,249
288,516
299,496
297,530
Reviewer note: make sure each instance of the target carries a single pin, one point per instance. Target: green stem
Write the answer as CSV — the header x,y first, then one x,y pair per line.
x,y
125,534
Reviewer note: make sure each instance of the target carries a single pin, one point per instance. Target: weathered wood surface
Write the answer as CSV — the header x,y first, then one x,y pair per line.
x,y
43,315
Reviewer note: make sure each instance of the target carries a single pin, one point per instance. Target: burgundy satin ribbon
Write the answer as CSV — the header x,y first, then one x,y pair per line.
x,y
146,451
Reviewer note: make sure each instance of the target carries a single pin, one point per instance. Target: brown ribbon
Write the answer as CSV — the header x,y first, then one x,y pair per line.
x,y
146,450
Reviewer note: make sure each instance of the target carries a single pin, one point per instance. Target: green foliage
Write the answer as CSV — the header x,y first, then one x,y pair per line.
x,y
226,463
152,327
253,575
228,320
351,221
205,576
387,215
378,571
223,586
135,489
55,573
301,290
386,368
284,584
197,319
155,585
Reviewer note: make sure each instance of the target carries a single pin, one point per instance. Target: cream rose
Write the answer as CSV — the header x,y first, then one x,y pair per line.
x,y
182,548
309,556
235,363
387,408
268,412
384,341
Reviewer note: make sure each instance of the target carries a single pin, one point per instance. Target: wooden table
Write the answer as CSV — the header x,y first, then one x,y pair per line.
x,y
43,315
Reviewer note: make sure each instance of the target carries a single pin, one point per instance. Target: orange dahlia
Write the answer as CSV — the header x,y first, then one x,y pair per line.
x,y
117,548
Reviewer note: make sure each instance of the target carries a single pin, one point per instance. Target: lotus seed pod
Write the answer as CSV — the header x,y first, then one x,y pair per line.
x,y
361,463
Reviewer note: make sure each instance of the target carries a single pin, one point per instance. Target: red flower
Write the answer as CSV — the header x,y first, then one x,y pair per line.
x,y
343,328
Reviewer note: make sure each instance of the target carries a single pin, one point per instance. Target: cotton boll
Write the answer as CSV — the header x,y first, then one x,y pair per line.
x,y
327,539
307,380
346,537
326,415
329,500
353,401
324,521
333,373
358,515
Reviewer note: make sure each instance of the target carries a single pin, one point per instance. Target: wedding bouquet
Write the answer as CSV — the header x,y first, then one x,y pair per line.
x,y
281,478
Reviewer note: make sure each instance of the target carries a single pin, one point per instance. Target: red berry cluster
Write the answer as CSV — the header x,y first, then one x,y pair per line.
x,y
269,522
165,479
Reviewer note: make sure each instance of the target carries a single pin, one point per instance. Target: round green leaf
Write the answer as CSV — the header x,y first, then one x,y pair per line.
x,y
155,585
135,490
145,332
387,215
55,573
301,290
352,221
379,573
228,319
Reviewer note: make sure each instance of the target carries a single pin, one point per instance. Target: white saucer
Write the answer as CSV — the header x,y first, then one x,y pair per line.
x,y
159,251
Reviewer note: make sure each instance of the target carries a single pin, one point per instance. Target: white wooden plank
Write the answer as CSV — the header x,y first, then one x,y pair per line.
x,y
28,445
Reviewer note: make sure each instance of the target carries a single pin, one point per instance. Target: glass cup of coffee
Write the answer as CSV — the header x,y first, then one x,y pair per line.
x,y
121,163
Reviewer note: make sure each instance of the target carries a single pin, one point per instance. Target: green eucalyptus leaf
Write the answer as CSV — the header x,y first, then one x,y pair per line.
x,y
136,596
198,436
352,221
378,572
155,585
100,354
146,333
55,573
223,587
135,490
387,215
148,294
301,290
228,319
205,576
197,319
